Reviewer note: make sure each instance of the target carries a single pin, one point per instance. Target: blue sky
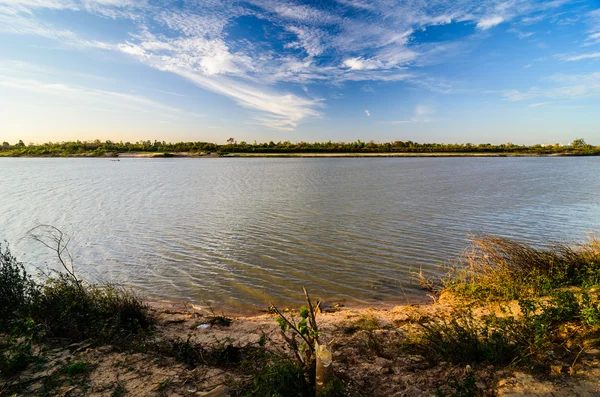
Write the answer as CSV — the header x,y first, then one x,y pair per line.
x,y
445,71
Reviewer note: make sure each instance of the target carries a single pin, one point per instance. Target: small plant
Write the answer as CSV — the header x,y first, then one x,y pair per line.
x,y
16,353
301,336
162,388
462,339
77,368
281,378
119,391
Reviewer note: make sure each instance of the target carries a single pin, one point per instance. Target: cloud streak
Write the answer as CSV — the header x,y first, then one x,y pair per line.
x,y
345,41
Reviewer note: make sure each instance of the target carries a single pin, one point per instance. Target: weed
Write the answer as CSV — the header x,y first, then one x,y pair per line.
x,y
119,391
280,378
67,307
162,388
77,368
460,338
16,353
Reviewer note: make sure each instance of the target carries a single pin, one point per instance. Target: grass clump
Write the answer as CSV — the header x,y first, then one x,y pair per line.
x,y
62,307
102,313
541,305
539,331
279,378
498,268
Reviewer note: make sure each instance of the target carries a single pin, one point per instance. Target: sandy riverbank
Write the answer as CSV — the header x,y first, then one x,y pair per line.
x,y
365,349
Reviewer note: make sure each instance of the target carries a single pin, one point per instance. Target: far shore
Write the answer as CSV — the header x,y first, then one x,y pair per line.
x,y
316,155
151,155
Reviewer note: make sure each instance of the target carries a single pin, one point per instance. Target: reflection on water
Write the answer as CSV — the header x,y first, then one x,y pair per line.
x,y
241,232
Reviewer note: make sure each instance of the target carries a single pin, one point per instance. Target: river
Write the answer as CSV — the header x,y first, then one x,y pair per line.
x,y
241,232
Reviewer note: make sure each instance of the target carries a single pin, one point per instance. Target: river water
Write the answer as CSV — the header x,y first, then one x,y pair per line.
x,y
241,232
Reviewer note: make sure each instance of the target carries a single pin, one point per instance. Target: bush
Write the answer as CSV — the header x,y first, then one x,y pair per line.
x,y
67,308
17,290
102,313
497,268
542,328
462,339
281,378
16,352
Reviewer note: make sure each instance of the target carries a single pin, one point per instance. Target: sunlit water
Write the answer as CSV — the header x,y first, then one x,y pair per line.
x,y
241,232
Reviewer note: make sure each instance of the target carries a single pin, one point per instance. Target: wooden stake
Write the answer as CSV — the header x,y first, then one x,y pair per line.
x,y
324,368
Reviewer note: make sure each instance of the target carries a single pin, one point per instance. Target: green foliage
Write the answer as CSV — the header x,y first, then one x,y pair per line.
x,y
500,269
221,354
77,368
16,353
280,378
162,149
104,313
66,308
17,290
301,336
528,336
460,338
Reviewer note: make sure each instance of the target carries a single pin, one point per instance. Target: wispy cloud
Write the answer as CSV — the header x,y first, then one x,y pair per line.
x,y
539,104
561,86
368,113
580,57
345,41
489,22
112,99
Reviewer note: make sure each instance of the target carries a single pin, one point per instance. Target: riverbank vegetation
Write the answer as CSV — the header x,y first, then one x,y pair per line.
x,y
507,318
99,148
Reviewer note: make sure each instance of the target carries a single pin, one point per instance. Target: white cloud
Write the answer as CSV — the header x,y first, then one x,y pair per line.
x,y
368,113
539,104
114,99
362,64
561,86
489,22
581,57
321,44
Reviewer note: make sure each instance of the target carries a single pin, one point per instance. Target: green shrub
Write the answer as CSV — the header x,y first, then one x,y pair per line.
x,y
497,268
527,337
281,378
77,368
462,339
16,352
102,313
67,308
17,290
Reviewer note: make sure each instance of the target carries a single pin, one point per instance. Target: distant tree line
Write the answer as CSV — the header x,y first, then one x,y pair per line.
x,y
104,148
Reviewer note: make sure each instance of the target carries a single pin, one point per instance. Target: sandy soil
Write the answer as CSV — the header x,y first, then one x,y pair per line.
x,y
369,360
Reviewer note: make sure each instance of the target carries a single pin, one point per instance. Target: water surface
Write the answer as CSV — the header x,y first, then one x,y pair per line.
x,y
240,232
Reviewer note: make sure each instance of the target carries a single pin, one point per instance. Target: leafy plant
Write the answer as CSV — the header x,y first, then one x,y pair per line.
x,y
301,336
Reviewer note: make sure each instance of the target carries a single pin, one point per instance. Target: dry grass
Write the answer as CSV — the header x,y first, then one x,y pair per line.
x,y
497,268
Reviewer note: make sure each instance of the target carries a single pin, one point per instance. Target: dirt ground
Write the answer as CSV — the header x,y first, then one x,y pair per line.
x,y
365,350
